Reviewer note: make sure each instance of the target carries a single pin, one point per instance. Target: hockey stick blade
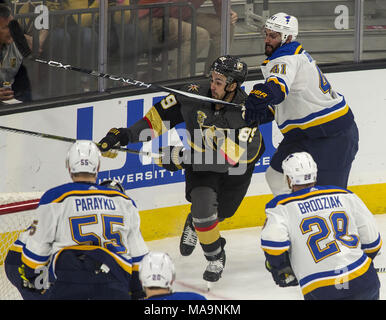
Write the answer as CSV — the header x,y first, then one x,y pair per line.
x,y
18,37
136,83
72,140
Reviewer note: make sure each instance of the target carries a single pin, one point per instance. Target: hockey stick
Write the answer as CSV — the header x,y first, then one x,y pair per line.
x,y
136,83
66,139
22,45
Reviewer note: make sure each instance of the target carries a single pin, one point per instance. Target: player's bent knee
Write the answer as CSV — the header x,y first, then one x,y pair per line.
x,y
204,202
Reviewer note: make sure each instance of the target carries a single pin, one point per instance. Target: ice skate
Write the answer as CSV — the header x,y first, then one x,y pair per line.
x,y
215,267
188,239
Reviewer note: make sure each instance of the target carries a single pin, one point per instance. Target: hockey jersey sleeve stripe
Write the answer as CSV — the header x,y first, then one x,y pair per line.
x,y
280,82
275,248
316,118
374,246
330,278
138,259
155,122
136,262
33,260
17,246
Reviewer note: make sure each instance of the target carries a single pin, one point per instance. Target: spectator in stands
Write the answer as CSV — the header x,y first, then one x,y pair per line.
x,y
14,79
208,31
75,38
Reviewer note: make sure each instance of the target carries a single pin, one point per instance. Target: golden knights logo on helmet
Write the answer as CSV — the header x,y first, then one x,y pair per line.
x,y
193,87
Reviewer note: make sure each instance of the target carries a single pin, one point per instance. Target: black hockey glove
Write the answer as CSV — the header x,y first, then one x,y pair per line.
x,y
283,277
172,158
115,137
257,103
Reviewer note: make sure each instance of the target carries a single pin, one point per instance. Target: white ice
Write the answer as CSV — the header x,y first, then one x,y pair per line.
x,y
244,276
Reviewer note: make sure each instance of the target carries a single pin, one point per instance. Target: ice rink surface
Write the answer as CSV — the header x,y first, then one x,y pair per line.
x,y
244,276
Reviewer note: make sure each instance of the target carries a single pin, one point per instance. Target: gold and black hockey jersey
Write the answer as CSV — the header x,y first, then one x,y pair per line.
x,y
219,139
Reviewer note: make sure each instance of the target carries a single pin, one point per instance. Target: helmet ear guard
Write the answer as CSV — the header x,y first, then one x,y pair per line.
x,y
300,168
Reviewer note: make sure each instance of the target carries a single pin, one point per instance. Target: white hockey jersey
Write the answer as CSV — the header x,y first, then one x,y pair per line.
x,y
83,216
311,106
327,232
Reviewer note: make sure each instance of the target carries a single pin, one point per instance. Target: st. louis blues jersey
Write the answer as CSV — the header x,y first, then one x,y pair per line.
x,y
88,217
330,236
12,264
311,107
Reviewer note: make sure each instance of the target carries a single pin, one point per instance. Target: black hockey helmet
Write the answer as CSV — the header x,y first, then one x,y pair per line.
x,y
232,67
112,184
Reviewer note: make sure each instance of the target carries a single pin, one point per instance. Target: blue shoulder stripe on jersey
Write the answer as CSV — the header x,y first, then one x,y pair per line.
x,y
288,49
275,244
59,193
137,259
305,193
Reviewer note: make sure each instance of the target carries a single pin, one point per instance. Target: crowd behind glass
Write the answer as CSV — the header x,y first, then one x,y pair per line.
x,y
167,40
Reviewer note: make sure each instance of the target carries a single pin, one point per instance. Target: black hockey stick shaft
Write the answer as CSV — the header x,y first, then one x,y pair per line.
x,y
72,140
136,83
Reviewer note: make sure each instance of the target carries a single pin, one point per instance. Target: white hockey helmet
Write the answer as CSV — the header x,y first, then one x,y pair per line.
x,y
157,270
83,156
300,168
283,23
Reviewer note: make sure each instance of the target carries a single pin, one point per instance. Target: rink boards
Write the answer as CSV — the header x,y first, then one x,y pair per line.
x,y
31,164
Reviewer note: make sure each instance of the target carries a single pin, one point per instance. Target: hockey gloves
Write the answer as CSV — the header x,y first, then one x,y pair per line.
x,y
283,277
29,283
115,137
172,158
256,105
